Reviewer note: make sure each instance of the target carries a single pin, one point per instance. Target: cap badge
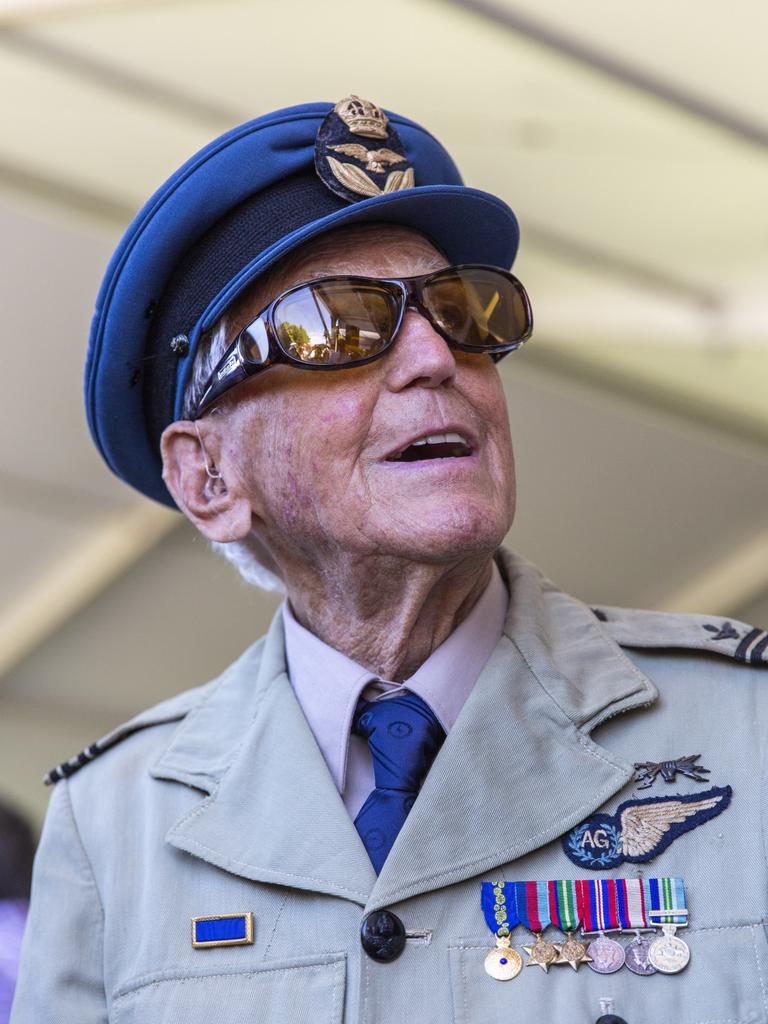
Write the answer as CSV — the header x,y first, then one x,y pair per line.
x,y
372,171
362,117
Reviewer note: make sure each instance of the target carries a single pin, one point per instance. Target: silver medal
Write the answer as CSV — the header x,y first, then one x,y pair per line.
x,y
637,954
607,955
668,953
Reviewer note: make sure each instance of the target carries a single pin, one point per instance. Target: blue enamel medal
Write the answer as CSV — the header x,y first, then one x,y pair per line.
x,y
500,911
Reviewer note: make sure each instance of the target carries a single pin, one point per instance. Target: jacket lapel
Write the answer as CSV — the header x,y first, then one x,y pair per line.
x,y
273,813
553,677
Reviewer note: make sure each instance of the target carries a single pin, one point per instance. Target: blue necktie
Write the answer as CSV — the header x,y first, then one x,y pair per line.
x,y
404,736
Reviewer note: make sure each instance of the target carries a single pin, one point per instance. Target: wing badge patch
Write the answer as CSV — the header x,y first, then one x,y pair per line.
x,y
641,829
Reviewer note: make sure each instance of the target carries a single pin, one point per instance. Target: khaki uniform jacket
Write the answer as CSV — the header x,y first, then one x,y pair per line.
x,y
219,802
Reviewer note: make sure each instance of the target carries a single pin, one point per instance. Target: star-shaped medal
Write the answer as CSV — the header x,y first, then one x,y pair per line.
x,y
573,952
542,953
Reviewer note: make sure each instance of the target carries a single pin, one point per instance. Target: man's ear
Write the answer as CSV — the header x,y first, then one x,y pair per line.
x,y
211,498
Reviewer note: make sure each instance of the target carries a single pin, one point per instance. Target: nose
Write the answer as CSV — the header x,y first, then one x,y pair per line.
x,y
419,356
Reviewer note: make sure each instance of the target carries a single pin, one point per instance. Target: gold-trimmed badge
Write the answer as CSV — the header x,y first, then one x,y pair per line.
x,y
503,963
542,953
362,117
222,930
372,170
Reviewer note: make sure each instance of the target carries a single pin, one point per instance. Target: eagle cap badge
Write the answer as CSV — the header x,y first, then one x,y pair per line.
x,y
369,170
641,829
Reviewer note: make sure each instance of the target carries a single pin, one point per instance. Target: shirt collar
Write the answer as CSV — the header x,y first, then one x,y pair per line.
x,y
328,684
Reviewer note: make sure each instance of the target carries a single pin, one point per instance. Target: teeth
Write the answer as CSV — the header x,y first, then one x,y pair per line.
x,y
452,438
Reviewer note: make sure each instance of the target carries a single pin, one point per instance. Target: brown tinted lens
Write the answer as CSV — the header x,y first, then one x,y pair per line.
x,y
334,323
478,307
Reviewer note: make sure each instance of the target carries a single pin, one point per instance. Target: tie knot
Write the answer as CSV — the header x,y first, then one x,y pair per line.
x,y
404,736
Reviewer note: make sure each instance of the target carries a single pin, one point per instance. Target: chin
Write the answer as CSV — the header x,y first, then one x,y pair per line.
x,y
447,534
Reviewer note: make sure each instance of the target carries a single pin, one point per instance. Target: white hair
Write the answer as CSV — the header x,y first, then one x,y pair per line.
x,y
245,555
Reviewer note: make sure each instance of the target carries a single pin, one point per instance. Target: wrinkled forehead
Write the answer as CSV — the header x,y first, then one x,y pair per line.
x,y
372,250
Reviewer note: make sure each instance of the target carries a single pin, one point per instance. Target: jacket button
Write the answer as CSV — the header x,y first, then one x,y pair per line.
x,y
382,935
610,1018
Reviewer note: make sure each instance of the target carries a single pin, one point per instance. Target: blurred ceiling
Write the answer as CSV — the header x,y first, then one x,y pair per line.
x,y
632,142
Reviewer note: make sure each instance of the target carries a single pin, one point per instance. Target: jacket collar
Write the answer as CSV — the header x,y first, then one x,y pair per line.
x,y
273,813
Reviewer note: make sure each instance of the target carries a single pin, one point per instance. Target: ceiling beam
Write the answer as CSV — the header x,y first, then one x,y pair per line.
x,y
78,576
24,12
69,196
619,69
644,275
36,10
726,425
104,75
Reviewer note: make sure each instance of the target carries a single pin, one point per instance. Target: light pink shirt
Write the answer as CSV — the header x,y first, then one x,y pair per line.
x,y
328,686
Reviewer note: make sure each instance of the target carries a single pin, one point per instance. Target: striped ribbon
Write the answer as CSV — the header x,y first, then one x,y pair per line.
x,y
563,906
598,904
665,894
533,905
631,900
499,906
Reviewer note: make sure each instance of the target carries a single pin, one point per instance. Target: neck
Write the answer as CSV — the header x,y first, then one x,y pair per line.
x,y
388,615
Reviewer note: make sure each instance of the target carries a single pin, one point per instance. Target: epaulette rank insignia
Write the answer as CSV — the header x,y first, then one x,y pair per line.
x,y
168,711
631,627
750,645
67,768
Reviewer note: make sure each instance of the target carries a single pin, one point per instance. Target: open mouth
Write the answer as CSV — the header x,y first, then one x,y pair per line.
x,y
434,446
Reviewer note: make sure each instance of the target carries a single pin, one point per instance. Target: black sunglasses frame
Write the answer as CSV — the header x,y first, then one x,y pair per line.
x,y
236,365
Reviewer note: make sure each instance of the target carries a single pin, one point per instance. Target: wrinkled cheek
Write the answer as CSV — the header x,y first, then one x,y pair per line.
x,y
344,408
298,500
293,503
301,462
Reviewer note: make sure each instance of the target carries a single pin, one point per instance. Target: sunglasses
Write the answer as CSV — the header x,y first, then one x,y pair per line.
x,y
338,322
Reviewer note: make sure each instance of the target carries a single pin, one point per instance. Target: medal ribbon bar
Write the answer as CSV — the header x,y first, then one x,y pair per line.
x,y
665,901
631,901
598,904
533,905
563,905
499,905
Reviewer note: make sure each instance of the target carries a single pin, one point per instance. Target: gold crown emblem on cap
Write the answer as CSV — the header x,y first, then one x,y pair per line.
x,y
362,117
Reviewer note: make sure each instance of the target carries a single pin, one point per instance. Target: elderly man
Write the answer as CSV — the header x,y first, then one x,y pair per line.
x,y
436,770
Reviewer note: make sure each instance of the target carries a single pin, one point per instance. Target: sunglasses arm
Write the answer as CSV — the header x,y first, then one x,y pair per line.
x,y
232,369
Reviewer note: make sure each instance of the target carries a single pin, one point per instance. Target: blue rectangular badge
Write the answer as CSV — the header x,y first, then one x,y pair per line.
x,y
222,930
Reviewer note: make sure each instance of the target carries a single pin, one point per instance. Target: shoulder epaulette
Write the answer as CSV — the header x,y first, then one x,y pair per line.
x,y
630,627
172,710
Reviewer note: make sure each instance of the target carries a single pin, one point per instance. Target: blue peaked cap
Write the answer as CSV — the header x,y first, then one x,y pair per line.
x,y
227,215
